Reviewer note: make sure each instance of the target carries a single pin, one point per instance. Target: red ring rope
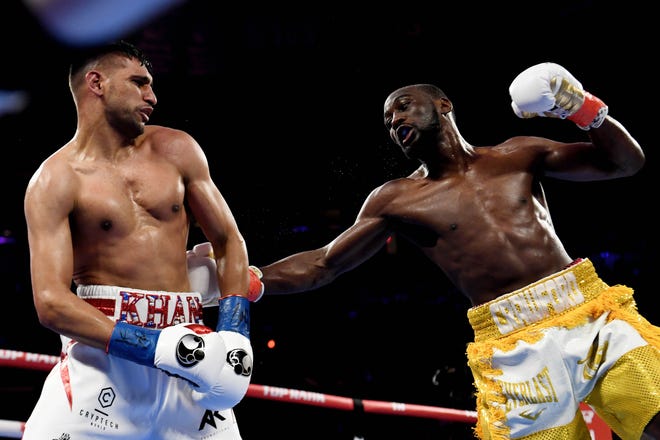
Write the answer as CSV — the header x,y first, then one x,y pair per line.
x,y
369,406
44,362
35,361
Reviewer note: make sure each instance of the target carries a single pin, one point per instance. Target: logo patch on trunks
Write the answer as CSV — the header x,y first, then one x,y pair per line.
x,y
158,310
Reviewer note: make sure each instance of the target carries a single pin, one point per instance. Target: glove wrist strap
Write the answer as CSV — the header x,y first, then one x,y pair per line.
x,y
591,114
136,344
234,315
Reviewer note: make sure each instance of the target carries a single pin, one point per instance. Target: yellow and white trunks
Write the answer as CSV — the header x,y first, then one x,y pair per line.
x,y
90,395
568,338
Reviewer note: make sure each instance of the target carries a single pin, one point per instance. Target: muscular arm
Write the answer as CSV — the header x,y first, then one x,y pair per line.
x,y
620,149
48,201
218,224
612,153
312,269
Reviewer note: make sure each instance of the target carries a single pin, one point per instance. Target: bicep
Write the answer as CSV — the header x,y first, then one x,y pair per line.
x,y
211,211
561,160
365,237
578,161
203,198
356,244
47,209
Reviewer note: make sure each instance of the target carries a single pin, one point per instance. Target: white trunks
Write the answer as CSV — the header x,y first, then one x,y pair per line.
x,y
90,395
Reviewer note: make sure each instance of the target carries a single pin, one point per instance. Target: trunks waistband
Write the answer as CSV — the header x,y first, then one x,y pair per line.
x,y
144,308
546,298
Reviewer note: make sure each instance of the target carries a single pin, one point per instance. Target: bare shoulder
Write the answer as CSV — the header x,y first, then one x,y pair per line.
x,y
161,137
161,130
391,189
526,142
177,147
55,179
57,165
392,195
524,148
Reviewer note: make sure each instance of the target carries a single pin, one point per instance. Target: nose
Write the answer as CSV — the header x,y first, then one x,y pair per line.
x,y
397,119
150,97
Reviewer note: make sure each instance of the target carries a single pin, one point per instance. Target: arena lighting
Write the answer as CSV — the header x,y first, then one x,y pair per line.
x,y
13,101
89,22
6,237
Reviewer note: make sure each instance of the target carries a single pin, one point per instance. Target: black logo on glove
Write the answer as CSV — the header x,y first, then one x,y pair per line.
x,y
190,350
240,361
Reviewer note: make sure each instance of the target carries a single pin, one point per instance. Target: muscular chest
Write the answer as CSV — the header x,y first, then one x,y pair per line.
x,y
463,204
112,196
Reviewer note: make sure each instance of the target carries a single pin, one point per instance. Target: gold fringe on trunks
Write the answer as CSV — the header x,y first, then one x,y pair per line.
x,y
616,300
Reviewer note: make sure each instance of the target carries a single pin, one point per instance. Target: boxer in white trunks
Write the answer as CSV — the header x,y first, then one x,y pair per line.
x,y
90,394
108,217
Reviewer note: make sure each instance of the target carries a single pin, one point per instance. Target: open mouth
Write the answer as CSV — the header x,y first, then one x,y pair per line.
x,y
403,133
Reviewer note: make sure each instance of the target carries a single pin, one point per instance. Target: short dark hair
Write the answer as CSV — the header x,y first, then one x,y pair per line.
x,y
121,47
432,90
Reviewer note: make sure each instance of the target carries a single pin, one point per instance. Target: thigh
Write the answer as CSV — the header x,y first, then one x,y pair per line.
x,y
94,396
533,381
627,396
181,417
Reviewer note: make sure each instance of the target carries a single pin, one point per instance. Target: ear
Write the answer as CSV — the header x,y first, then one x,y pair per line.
x,y
93,81
444,105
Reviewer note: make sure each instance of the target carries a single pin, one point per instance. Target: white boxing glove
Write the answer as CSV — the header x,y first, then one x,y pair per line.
x,y
218,364
193,352
549,90
233,328
202,273
230,386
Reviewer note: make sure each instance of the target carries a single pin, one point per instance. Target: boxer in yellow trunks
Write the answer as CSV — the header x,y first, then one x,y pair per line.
x,y
480,215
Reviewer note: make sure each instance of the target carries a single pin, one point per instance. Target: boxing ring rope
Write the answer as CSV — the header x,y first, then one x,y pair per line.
x,y
44,362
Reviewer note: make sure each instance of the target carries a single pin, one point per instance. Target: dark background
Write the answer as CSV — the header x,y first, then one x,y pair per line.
x,y
287,103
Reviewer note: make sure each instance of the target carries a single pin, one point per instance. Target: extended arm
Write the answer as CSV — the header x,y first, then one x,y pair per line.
x,y
312,269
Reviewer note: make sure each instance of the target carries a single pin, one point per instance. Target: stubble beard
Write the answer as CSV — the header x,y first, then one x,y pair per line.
x,y
125,123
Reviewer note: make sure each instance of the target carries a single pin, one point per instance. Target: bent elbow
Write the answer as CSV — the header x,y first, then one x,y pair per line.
x,y
633,165
635,159
47,310
638,164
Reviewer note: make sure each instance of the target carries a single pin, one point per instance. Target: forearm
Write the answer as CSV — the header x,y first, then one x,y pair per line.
x,y
70,316
232,268
296,273
621,148
312,269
